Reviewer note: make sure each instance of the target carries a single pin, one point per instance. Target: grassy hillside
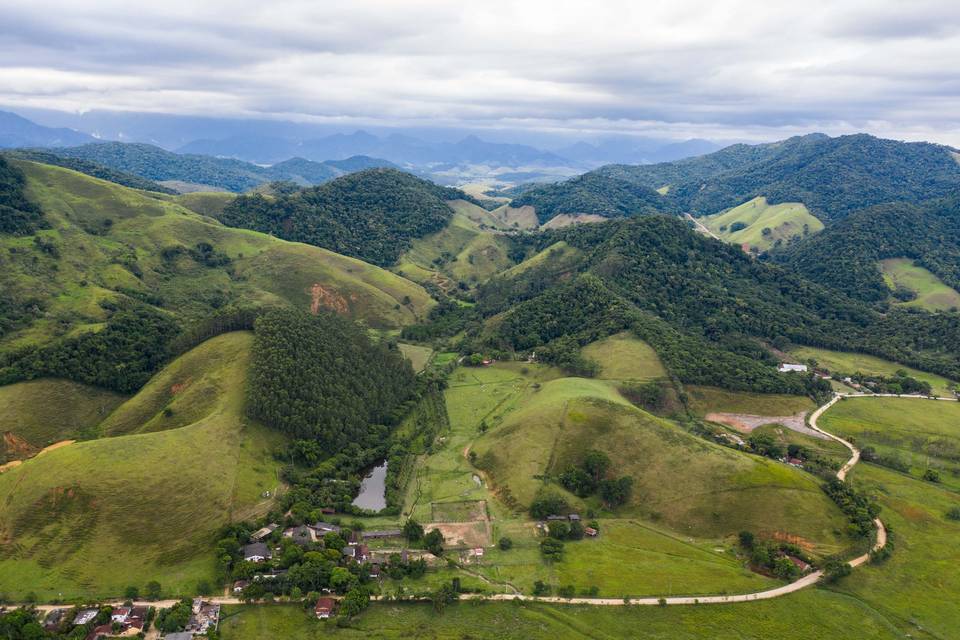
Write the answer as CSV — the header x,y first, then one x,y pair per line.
x,y
41,412
91,518
763,224
810,614
704,400
840,362
722,491
206,203
931,293
109,243
463,251
625,357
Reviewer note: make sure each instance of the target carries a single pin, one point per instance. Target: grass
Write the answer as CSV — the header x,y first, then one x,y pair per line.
x,y
111,242
783,220
681,482
559,255
932,293
840,362
206,203
42,412
921,433
89,519
625,357
805,615
419,356
703,400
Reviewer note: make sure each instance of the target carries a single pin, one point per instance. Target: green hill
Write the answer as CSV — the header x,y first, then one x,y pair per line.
x,y
372,214
89,519
686,483
593,194
758,224
929,292
109,245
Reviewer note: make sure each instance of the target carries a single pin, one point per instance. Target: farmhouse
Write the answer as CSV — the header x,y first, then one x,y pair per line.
x,y
792,368
260,534
256,552
379,535
324,608
799,564
120,614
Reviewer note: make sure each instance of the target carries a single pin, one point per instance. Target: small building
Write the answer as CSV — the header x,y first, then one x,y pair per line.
x,y
375,571
85,615
590,531
797,462
363,552
555,518
786,367
256,552
574,517
302,535
240,585
350,552
178,635
260,534
325,527
799,564
325,607
382,534
53,619
328,511
120,614
478,552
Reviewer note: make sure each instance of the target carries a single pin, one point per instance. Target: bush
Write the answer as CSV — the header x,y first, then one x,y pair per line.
x,y
505,544
954,513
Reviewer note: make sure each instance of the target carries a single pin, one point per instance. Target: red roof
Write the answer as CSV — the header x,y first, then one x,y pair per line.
x,y
325,605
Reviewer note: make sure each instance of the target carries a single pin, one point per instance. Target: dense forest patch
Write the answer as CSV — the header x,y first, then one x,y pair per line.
x,y
18,216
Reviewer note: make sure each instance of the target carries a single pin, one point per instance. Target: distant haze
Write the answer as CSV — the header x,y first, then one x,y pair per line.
x,y
717,69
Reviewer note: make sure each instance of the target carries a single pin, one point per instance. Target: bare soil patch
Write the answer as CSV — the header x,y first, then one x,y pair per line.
x,y
321,296
746,423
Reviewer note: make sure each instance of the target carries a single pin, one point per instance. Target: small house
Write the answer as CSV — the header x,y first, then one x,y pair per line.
x,y
260,534
328,511
256,552
555,518
590,531
375,571
799,564
120,614
324,608
240,585
322,528
574,517
350,552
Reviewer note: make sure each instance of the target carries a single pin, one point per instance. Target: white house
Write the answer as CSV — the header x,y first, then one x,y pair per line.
x,y
788,368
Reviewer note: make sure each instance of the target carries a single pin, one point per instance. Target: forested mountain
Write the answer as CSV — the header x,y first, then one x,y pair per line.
x,y
18,216
321,378
701,303
90,168
156,164
831,176
846,255
593,194
371,214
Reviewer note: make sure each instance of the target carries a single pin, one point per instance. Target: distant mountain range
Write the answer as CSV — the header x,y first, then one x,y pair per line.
x,y
448,155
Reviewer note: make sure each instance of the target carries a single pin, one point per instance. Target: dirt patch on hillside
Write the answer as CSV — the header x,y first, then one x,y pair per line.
x,y
463,535
180,386
321,296
746,423
56,445
789,538
15,447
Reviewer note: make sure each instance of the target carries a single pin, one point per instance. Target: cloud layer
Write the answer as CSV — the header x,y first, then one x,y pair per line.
x,y
684,68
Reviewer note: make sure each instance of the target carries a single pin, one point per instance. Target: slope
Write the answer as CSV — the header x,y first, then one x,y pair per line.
x,y
110,244
760,225
90,519
681,481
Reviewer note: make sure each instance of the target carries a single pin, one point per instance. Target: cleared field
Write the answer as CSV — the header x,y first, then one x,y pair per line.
x,y
780,221
40,412
803,616
90,519
558,256
922,434
516,217
628,558
114,243
418,355
918,587
717,492
625,357
206,203
932,293
840,362
703,400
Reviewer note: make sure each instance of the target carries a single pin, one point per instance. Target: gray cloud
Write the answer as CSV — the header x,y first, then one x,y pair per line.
x,y
723,69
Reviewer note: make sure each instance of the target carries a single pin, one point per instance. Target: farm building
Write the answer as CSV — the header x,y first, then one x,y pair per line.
x,y
85,615
590,531
260,534
379,535
792,368
325,607
325,527
256,552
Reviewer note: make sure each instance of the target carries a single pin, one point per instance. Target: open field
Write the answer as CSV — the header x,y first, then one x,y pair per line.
x,y
932,293
115,243
625,357
206,203
918,587
40,412
722,492
90,519
803,616
418,355
923,434
703,400
782,221
559,256
847,363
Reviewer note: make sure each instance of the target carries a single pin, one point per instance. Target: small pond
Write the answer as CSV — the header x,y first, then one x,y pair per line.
x,y
373,489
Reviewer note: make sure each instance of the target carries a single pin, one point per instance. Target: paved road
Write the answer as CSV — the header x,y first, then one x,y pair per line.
x,y
802,583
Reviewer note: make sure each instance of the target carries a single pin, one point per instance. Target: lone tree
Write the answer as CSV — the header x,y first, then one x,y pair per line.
x,y
433,542
412,530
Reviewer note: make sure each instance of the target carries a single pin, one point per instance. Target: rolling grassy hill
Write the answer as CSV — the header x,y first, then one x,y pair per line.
x,y
625,357
763,224
108,243
38,413
931,293
91,518
721,492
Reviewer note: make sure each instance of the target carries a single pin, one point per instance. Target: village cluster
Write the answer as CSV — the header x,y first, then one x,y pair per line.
x,y
131,620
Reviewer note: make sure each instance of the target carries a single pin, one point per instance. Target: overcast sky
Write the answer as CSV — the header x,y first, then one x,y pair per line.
x,y
720,69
